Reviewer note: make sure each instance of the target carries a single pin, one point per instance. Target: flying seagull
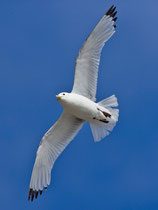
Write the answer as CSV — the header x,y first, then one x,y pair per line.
x,y
79,106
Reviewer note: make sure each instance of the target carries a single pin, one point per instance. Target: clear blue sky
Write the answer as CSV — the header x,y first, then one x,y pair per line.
x,y
39,42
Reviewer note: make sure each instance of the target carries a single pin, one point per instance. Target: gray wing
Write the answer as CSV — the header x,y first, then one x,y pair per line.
x,y
51,146
87,62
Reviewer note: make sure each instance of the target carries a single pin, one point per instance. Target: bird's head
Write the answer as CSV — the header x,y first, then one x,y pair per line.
x,y
62,95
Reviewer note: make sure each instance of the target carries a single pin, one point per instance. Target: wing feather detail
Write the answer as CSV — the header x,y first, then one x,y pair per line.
x,y
88,59
51,146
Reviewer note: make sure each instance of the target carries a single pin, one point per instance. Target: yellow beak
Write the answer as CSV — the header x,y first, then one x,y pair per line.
x,y
58,97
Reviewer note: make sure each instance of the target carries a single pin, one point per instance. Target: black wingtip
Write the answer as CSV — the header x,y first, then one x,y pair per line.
x,y
112,13
115,19
34,193
109,10
30,193
32,196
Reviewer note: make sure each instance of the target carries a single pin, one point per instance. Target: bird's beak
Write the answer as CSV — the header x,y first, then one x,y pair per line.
x,y
58,97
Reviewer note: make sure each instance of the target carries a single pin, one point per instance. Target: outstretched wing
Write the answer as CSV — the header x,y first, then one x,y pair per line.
x,y
51,146
87,62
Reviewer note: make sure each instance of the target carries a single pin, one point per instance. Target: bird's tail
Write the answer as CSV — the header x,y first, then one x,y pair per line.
x,y
101,129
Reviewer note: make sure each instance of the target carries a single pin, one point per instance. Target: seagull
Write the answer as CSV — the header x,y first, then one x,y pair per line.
x,y
79,106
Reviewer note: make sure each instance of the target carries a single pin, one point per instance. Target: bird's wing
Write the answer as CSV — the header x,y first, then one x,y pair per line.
x,y
87,62
51,146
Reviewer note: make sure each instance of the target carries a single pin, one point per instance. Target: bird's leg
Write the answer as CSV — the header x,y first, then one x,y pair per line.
x,y
104,121
105,113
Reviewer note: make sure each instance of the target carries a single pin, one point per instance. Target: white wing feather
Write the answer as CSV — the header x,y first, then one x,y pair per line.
x,y
87,62
51,146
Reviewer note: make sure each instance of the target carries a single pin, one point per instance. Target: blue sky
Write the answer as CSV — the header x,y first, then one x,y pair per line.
x,y
39,42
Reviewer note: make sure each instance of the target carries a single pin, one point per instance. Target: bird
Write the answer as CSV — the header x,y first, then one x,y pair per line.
x,y
79,106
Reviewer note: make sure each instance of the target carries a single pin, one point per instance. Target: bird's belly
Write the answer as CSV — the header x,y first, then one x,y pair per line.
x,y
85,110
84,113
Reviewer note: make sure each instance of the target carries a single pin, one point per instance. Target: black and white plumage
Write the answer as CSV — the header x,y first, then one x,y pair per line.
x,y
79,106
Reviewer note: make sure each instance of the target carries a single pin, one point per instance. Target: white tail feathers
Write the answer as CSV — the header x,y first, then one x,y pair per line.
x,y
109,102
101,129
98,130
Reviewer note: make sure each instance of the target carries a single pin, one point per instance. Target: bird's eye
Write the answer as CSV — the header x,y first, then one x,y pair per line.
x,y
63,94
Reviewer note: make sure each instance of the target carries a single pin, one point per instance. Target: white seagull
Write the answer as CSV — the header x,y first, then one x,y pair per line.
x,y
79,106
